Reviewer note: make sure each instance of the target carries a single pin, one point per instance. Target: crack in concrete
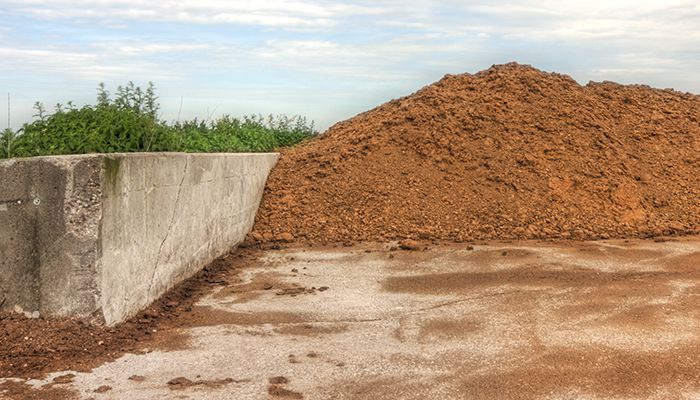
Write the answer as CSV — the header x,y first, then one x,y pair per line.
x,y
465,300
320,321
170,225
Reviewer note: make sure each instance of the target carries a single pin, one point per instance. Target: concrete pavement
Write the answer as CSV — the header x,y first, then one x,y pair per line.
x,y
589,320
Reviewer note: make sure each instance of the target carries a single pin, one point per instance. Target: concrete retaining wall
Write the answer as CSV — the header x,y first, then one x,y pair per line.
x,y
102,236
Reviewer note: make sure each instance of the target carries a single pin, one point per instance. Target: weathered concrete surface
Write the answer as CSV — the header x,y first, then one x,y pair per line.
x,y
49,231
529,320
102,236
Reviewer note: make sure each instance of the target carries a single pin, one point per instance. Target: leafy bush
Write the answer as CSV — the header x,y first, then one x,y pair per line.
x,y
129,123
252,133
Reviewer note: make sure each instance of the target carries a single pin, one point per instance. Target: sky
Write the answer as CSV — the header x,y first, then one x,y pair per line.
x,y
325,59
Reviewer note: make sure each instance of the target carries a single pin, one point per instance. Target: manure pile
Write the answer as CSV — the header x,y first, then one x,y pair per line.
x,y
507,153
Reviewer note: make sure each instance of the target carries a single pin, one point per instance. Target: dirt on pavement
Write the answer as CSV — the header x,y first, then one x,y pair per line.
x,y
32,347
507,153
506,320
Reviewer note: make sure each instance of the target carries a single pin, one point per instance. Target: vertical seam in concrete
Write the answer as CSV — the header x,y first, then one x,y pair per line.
x,y
36,264
36,251
170,225
99,313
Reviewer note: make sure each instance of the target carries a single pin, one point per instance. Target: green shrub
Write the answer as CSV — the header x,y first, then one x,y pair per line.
x,y
129,123
250,134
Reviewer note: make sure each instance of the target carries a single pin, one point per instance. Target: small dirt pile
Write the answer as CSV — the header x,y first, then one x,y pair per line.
x,y
508,153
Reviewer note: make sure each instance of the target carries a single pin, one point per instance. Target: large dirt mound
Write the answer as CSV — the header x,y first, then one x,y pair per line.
x,y
508,153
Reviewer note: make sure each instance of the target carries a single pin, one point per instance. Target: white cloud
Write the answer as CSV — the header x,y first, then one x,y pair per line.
x,y
594,19
369,61
74,64
133,48
279,13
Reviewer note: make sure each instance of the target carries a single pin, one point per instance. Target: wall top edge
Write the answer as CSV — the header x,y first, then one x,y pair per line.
x,y
133,155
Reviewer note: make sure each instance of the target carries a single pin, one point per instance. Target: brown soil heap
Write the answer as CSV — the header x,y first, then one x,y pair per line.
x,y
510,152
